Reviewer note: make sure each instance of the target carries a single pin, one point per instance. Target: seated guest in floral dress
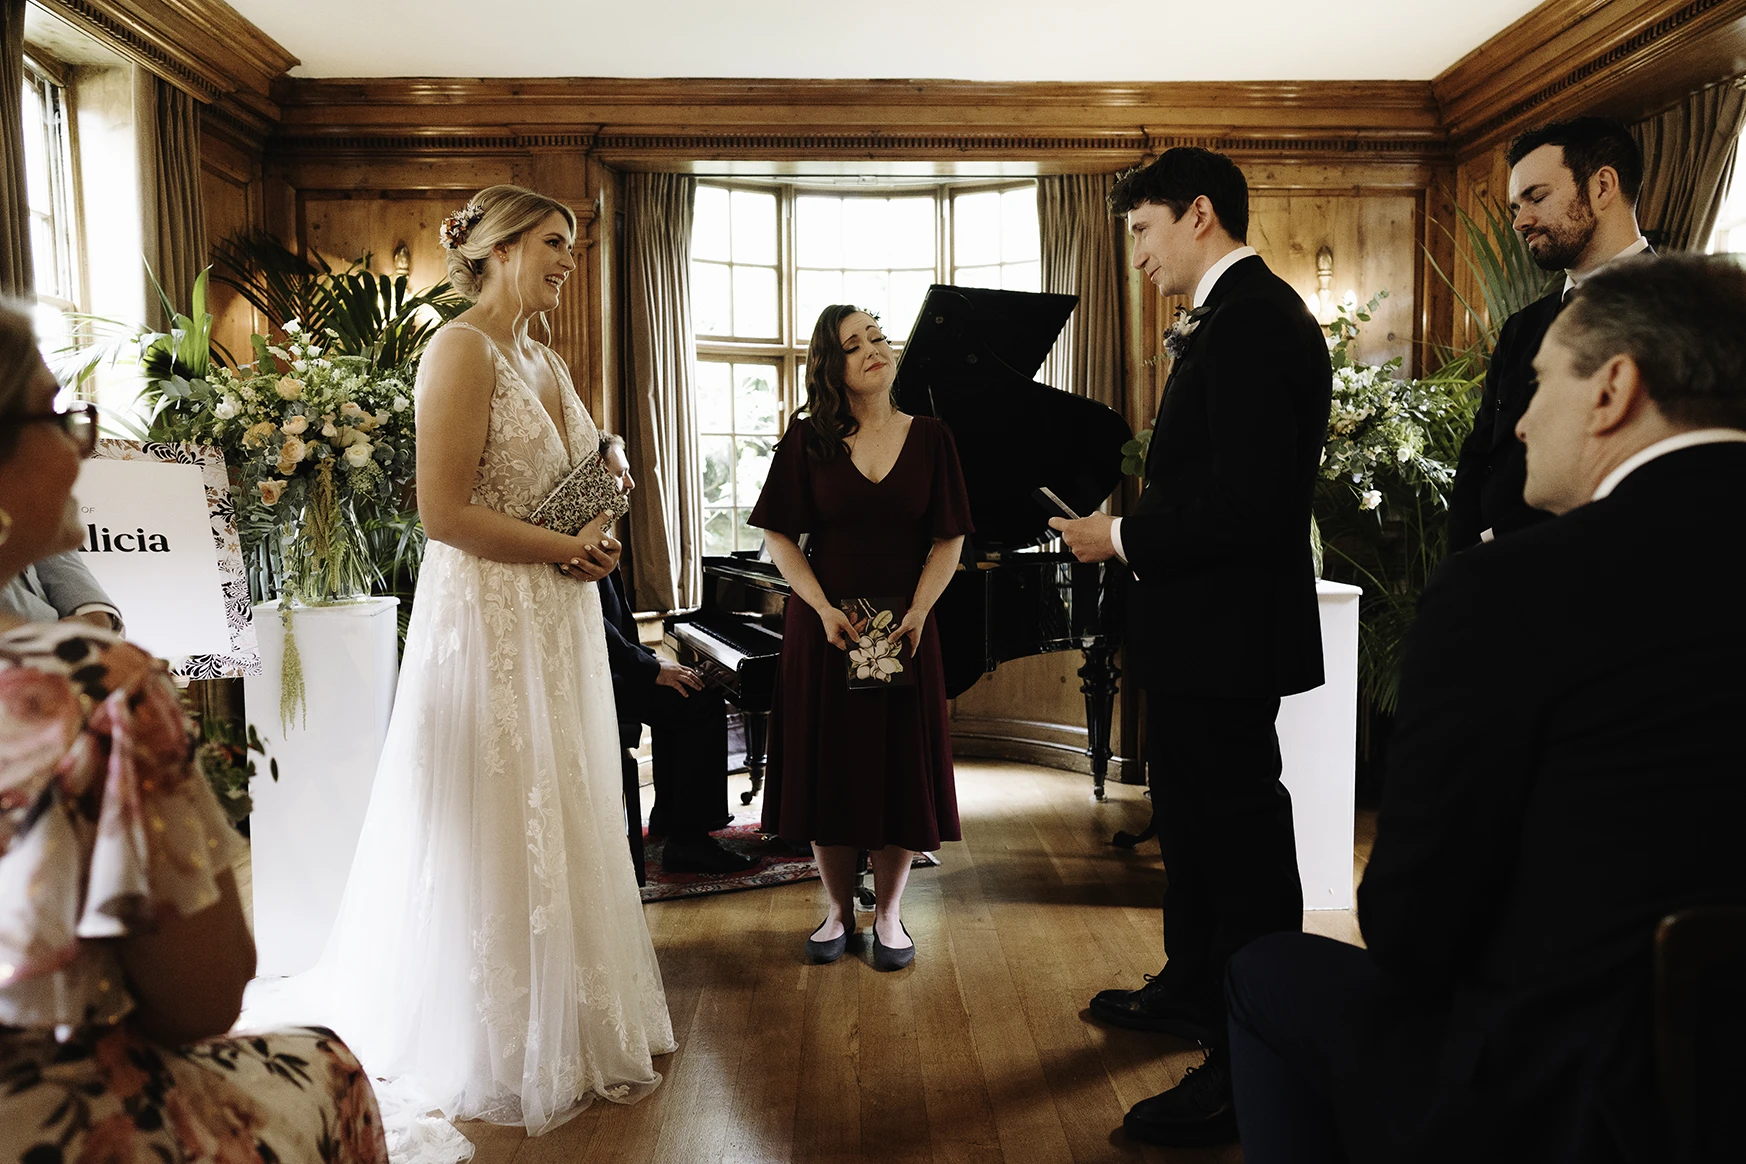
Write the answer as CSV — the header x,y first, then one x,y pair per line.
x,y
123,948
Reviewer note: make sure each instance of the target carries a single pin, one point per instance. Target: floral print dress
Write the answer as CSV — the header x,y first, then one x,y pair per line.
x,y
105,824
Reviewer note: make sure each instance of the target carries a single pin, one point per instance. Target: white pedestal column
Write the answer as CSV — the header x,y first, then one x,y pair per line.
x,y
1318,737
304,828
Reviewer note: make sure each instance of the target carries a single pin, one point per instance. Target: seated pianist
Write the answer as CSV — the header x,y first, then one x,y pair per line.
x,y
1565,771
688,722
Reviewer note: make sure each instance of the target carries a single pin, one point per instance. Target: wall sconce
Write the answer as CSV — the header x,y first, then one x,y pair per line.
x,y
402,260
1321,302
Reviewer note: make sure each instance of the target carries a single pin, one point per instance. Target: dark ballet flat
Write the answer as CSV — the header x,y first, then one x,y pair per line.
x,y
885,958
823,952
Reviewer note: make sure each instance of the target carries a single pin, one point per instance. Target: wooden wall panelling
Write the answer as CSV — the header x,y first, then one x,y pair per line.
x,y
230,187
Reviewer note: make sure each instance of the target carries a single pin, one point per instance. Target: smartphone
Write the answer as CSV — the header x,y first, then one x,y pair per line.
x,y
1048,500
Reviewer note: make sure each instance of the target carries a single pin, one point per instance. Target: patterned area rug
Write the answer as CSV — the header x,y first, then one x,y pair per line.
x,y
776,866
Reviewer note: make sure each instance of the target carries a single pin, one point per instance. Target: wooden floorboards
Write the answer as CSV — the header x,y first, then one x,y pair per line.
x,y
978,1054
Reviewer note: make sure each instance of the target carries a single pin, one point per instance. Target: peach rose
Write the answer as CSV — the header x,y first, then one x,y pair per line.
x,y
296,426
258,433
293,451
290,389
272,490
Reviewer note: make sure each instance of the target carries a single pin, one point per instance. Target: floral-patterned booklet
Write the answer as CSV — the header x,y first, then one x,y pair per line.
x,y
877,661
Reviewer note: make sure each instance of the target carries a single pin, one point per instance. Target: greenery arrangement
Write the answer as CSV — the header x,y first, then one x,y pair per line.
x,y
223,754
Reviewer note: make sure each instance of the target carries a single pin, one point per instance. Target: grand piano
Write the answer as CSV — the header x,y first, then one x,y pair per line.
x,y
971,362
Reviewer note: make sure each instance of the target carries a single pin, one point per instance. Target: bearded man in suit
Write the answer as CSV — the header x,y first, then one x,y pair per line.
x,y
1573,194
1502,1009
1222,617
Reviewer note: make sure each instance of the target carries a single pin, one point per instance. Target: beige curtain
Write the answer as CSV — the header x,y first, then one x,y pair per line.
x,y
174,210
16,275
1688,158
666,523
1082,256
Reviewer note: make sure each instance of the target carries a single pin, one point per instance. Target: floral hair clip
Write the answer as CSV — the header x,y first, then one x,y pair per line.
x,y
457,226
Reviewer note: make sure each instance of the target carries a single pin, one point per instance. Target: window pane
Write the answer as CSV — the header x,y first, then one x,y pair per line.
x,y
755,302
750,536
1022,277
868,290
813,292
908,290
976,230
38,192
978,277
711,302
818,231
1018,226
753,466
718,531
754,216
866,233
53,333
717,453
755,403
709,224
715,411
910,232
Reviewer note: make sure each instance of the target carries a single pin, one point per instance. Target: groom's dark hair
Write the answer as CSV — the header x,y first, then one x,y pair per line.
x,y
1181,175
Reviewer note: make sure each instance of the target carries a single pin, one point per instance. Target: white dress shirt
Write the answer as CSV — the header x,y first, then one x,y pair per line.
x,y
1207,282
1685,440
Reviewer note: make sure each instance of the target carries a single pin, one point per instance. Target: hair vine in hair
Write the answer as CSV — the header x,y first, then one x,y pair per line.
x,y
457,226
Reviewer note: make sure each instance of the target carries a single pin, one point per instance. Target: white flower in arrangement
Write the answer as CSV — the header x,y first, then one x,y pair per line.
x,y
295,426
351,409
292,327
227,408
383,416
1403,454
312,351
279,352
1371,499
300,365
327,428
399,403
290,389
358,455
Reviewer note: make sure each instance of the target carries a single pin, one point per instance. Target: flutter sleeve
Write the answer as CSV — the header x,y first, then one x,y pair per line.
x,y
785,504
948,502
106,822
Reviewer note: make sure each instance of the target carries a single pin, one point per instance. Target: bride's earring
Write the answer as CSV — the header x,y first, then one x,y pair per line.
x,y
5,526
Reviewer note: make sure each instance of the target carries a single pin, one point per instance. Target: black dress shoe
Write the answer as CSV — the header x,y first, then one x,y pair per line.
x,y
1196,1113
1154,1007
705,855
830,951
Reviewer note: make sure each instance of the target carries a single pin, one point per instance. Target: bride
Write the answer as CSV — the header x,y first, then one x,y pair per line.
x,y
490,952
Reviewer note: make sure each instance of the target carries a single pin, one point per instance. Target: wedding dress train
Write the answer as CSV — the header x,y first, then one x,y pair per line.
x,y
490,953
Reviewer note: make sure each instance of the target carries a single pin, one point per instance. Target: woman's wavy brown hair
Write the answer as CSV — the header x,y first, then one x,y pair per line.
x,y
829,421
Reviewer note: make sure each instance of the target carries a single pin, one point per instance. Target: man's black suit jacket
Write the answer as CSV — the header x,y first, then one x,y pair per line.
x,y
1224,602
1493,466
1520,867
634,667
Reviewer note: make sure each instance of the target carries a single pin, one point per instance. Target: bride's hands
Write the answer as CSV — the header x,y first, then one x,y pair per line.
x,y
839,631
597,552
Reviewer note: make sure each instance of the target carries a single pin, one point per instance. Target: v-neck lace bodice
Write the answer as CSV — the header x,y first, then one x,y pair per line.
x,y
524,459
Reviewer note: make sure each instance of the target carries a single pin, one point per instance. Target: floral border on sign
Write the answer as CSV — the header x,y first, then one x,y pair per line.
x,y
244,657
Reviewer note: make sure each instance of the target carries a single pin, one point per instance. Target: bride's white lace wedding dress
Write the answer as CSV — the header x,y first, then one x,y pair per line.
x,y
490,951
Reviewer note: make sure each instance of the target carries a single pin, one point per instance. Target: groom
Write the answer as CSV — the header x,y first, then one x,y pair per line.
x,y
1222,616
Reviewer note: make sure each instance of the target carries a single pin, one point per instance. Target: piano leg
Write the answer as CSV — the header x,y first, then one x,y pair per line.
x,y
1099,688
757,750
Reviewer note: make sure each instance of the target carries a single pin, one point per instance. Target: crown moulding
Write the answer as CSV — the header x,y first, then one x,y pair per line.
x,y
1575,56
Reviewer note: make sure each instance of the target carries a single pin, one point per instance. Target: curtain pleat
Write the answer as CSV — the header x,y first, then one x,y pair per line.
x,y
1081,255
16,274
666,524
1688,158
178,252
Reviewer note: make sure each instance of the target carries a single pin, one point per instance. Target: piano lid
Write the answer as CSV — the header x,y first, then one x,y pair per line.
x,y
970,362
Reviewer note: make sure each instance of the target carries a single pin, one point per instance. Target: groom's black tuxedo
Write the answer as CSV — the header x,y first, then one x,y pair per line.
x,y
1225,600
1222,616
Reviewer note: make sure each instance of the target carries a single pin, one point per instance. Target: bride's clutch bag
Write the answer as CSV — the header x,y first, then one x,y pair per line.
x,y
585,493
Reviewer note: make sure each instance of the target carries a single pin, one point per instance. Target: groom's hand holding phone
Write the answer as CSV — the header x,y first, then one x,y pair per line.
x,y
1087,537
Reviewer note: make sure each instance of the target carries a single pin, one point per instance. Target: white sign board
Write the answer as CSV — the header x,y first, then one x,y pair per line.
x,y
160,537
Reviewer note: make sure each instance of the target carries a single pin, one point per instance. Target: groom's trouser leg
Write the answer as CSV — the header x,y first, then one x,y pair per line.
x,y
1225,829
690,760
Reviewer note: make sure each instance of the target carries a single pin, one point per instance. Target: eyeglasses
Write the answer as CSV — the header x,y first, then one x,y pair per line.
x,y
78,421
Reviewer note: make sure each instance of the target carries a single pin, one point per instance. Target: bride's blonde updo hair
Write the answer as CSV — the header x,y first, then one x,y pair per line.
x,y
496,215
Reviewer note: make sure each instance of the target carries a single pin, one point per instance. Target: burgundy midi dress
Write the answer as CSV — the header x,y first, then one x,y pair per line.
x,y
864,768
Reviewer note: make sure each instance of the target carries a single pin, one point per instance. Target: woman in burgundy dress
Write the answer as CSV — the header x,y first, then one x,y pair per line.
x,y
881,496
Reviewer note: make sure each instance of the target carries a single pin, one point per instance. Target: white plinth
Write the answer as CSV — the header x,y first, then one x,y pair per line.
x,y
304,828
1318,737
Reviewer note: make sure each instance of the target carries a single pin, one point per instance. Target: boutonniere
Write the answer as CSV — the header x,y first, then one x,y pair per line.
x,y
1187,322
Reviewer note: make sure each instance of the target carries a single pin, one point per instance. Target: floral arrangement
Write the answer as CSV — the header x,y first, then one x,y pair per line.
x,y
1381,427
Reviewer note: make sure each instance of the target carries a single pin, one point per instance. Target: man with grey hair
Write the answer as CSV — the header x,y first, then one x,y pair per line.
x,y
1501,1009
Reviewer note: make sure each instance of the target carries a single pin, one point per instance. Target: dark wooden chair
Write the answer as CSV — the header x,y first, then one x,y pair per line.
x,y
629,736
1700,1028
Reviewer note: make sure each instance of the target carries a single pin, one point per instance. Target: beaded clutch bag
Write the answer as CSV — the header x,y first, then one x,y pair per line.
x,y
585,493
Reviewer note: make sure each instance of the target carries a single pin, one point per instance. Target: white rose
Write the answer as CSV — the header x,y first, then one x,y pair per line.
x,y
227,408
400,403
1371,499
382,416
358,455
